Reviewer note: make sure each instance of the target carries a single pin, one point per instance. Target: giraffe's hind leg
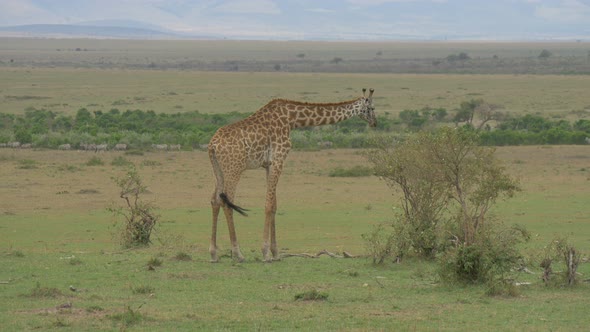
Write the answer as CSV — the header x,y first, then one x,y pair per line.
x,y
235,250
215,206
231,182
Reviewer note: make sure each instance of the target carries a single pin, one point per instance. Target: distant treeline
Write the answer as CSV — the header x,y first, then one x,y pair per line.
x,y
140,129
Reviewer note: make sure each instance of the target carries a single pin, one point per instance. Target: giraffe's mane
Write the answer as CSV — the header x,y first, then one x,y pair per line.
x,y
304,103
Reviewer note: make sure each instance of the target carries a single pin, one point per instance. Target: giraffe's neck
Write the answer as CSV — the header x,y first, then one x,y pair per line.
x,y
308,114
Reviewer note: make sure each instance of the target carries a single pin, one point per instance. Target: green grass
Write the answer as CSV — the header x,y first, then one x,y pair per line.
x,y
95,161
27,164
115,290
296,293
121,161
356,171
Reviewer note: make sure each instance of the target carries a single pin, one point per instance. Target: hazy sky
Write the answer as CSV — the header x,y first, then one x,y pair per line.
x,y
324,19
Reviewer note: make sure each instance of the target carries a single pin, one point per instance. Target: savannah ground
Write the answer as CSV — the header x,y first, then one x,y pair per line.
x,y
55,231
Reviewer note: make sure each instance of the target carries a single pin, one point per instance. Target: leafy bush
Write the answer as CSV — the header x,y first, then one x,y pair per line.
x,y
387,241
138,216
488,259
379,243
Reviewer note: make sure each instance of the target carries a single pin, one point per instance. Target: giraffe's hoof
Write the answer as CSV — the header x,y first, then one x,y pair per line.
x,y
239,259
214,260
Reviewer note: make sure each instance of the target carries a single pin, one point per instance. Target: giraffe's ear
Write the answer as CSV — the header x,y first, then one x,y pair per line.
x,y
371,92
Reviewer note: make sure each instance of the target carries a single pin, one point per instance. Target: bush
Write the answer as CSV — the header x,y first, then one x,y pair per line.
x,y
448,183
491,260
379,243
388,241
138,216
560,251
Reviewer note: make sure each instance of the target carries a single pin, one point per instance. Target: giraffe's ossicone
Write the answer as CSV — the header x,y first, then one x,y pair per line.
x,y
263,140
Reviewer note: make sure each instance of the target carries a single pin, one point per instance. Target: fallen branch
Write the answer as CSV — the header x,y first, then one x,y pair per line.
x,y
299,255
322,252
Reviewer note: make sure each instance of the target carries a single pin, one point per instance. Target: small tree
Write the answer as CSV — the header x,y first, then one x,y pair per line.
x,y
336,60
139,217
408,166
449,183
466,111
474,177
545,54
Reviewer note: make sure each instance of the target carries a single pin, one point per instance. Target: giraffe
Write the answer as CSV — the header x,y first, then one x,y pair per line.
x,y
262,140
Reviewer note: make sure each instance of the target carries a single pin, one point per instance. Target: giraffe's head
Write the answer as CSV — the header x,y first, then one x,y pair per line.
x,y
367,110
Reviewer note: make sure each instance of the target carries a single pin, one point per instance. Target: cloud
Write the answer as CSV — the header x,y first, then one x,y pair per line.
x,y
320,10
381,2
23,12
249,7
565,11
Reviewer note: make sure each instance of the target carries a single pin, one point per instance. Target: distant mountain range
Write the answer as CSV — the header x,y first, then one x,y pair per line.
x,y
98,29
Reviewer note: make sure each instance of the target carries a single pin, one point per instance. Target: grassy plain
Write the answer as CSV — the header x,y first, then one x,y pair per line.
x,y
55,233
297,56
66,90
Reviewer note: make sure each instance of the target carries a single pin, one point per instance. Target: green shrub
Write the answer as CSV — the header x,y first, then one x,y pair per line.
x,y
489,260
121,161
381,243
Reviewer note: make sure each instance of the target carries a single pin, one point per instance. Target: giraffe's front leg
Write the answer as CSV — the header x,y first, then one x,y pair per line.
x,y
273,241
270,251
269,215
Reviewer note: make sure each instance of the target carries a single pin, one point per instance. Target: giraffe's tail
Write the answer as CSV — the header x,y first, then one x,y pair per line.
x,y
227,202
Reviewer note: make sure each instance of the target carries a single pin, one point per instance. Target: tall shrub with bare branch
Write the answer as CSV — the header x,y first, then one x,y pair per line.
x,y
138,215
